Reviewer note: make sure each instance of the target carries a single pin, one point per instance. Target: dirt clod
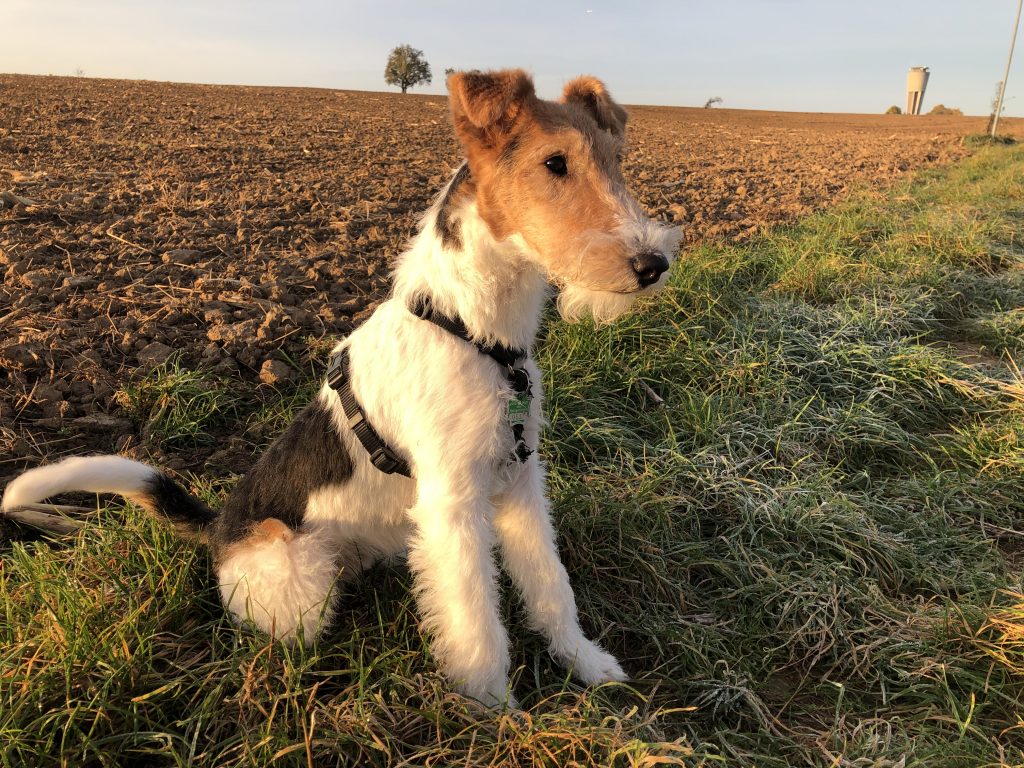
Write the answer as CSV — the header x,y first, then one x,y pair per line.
x,y
275,372
154,353
103,423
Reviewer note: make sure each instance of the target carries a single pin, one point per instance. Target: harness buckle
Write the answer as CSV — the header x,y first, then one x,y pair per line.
x,y
519,379
336,371
385,460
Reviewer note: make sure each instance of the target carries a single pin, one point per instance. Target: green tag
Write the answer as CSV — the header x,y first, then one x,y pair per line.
x,y
518,409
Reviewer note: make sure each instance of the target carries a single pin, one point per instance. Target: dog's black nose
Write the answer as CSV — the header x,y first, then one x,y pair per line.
x,y
649,267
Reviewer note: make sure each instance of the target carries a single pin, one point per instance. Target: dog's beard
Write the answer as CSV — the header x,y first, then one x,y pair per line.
x,y
576,302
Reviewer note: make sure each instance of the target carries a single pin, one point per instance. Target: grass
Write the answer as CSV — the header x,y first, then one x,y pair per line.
x,y
809,554
178,407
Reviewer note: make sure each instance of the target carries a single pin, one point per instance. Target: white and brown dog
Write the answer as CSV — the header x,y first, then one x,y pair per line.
x,y
421,441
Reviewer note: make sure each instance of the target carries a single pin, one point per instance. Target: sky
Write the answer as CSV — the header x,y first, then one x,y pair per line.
x,y
799,55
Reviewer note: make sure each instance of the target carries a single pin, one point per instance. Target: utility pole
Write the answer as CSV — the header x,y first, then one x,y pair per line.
x,y
1009,58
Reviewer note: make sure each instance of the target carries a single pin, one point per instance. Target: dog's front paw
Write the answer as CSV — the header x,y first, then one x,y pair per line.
x,y
592,665
493,695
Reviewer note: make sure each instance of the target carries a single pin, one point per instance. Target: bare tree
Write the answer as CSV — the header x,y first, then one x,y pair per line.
x,y
406,67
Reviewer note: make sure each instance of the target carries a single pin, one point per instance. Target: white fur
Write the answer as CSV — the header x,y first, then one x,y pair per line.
x,y
91,474
494,286
280,584
576,302
440,403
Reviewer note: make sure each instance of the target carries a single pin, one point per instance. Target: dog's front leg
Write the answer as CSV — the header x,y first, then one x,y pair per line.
x,y
527,537
455,580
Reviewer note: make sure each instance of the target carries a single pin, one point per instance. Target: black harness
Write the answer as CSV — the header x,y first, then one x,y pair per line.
x,y
381,455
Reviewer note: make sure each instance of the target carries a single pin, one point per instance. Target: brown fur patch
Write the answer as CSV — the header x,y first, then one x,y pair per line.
x,y
573,221
590,93
264,532
268,530
486,106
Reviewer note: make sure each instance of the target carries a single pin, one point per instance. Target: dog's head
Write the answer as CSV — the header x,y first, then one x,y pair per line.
x,y
548,173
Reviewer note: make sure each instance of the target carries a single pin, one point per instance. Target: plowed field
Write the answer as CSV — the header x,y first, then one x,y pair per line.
x,y
236,227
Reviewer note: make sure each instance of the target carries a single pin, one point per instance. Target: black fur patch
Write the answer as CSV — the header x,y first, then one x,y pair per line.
x,y
178,505
447,229
308,456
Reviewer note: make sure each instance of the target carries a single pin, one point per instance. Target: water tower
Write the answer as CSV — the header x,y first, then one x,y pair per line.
x,y
917,80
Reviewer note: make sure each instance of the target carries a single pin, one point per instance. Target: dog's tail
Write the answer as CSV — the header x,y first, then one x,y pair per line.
x,y
146,486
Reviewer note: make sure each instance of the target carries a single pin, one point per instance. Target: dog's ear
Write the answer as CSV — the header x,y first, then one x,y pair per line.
x,y
487,105
590,93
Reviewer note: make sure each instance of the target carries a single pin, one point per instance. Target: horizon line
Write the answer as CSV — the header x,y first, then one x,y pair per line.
x,y
445,95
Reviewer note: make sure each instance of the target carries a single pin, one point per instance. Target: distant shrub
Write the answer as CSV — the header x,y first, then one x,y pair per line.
x,y
942,109
983,139
894,110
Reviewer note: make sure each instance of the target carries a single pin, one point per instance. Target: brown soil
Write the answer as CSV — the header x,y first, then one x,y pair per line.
x,y
237,226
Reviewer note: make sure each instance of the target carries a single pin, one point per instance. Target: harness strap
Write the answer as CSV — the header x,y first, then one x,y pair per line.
x,y
503,355
381,456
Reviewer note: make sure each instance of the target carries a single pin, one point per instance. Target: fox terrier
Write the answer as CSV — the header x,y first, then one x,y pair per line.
x,y
423,438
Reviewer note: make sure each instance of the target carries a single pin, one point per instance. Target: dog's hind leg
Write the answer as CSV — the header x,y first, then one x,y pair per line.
x,y
527,537
279,579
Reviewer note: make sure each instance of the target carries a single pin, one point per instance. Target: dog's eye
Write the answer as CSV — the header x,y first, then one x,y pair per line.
x,y
556,164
